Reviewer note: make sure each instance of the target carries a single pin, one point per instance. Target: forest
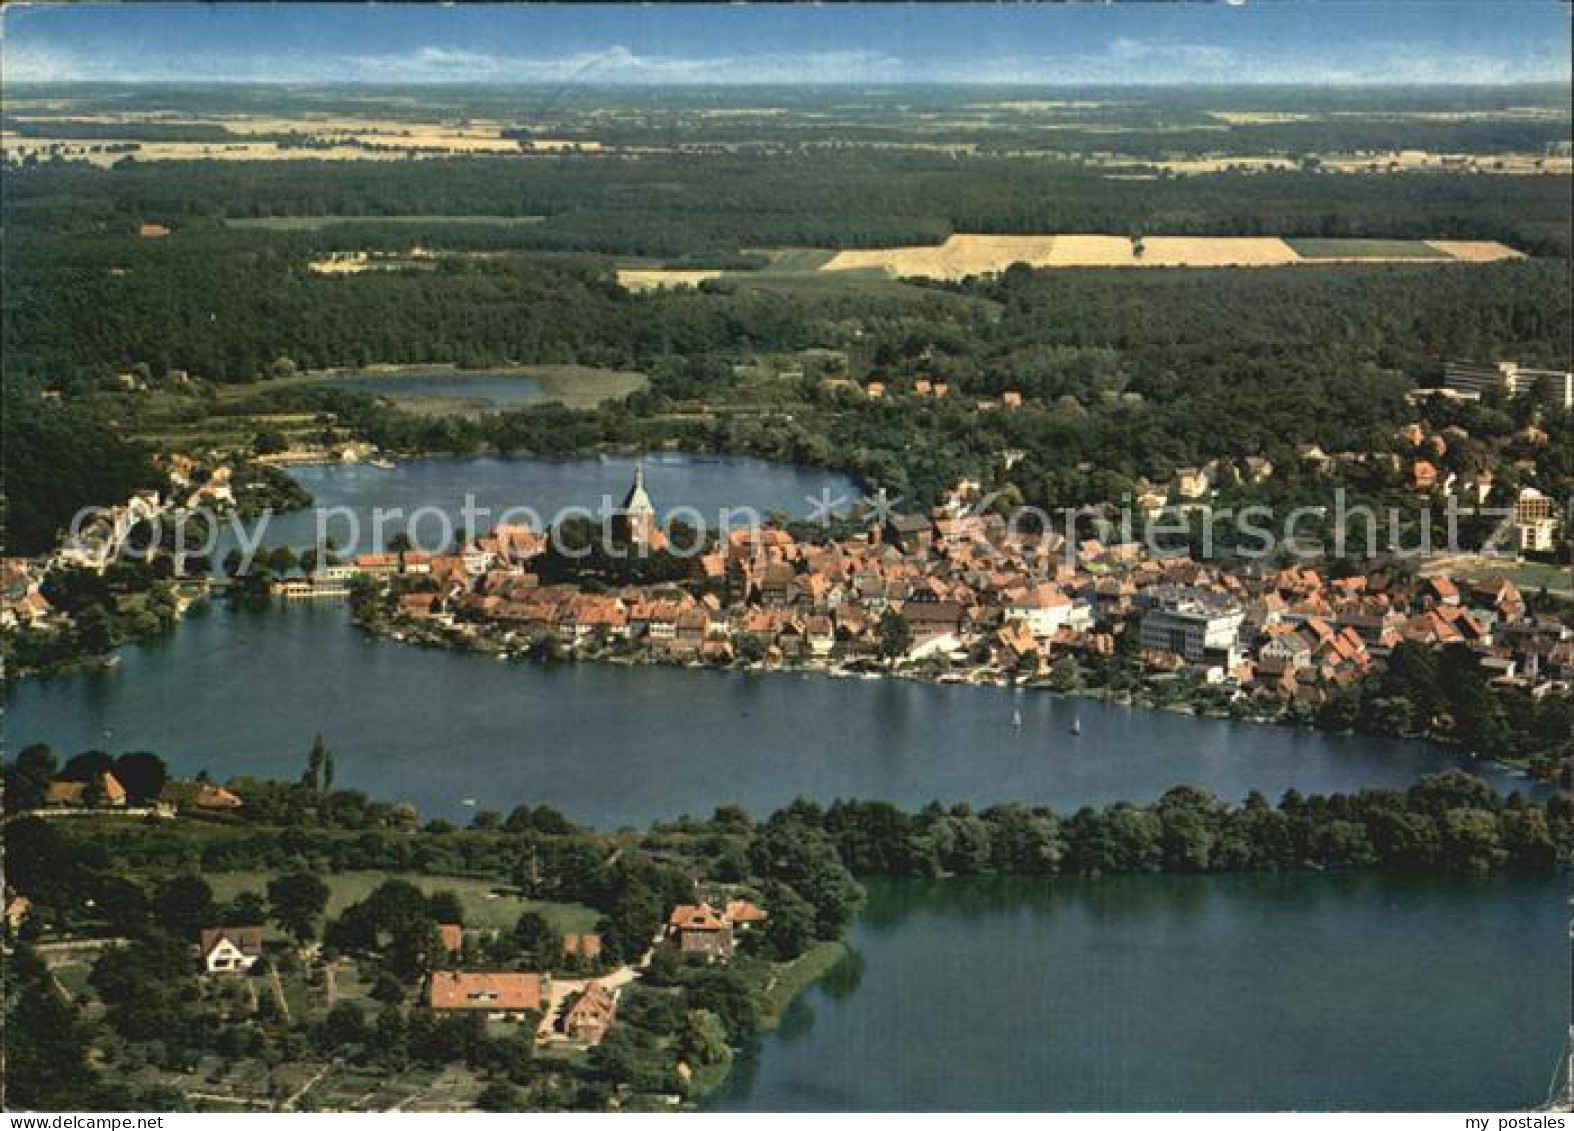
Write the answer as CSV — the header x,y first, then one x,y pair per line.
x,y
675,204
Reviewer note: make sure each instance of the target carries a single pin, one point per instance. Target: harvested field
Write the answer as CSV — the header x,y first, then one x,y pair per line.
x,y
1475,251
964,255
655,279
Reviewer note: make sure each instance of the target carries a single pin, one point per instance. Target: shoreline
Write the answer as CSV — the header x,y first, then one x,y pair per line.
x,y
406,633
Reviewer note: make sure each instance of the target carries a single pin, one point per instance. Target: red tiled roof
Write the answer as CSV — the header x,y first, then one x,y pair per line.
x,y
451,989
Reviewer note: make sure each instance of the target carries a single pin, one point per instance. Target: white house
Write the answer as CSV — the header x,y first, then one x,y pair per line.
x,y
230,950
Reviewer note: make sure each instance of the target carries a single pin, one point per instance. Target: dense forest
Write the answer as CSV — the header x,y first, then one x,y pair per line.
x,y
675,204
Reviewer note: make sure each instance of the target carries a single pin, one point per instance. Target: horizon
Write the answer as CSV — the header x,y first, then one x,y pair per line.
x,y
1232,44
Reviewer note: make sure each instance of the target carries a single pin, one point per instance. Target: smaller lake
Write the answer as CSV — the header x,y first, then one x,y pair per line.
x,y
489,392
1170,993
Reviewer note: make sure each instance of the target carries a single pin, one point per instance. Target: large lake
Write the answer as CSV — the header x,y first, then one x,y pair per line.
x,y
242,689
1308,992
1304,993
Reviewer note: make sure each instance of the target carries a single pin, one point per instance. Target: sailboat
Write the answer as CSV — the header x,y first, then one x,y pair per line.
x,y
1076,725
1016,718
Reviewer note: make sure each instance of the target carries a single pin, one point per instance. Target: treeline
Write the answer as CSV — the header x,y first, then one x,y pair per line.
x,y
1451,822
676,203
1442,693
58,457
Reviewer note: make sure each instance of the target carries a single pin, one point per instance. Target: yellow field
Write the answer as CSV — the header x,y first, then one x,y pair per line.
x,y
655,279
345,138
1475,251
964,255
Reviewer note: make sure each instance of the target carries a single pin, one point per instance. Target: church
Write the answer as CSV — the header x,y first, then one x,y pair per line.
x,y
634,523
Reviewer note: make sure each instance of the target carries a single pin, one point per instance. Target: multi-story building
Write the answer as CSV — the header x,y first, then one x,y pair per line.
x,y
1199,626
1514,379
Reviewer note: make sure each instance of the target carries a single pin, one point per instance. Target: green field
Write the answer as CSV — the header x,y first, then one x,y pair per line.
x,y
317,223
483,907
792,259
1366,249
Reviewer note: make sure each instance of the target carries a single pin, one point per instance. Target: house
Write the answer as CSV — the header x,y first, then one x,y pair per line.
x,y
700,929
1044,608
451,936
198,795
590,1014
230,950
1191,483
75,794
500,996
909,532
743,915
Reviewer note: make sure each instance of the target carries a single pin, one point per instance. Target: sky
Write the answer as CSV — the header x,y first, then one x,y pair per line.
x,y
1320,42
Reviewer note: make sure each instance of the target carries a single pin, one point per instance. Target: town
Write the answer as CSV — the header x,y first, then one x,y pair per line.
x,y
956,597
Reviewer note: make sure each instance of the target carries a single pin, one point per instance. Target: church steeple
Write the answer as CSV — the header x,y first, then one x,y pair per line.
x,y
635,521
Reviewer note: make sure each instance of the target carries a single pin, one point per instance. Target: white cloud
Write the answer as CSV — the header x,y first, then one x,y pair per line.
x,y
620,64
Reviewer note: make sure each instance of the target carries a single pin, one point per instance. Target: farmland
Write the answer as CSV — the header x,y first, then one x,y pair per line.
x,y
977,254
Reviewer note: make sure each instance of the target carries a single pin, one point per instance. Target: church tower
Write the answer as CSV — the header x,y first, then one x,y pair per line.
x,y
635,522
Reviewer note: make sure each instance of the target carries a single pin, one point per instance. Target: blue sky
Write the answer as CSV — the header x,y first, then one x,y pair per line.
x,y
1331,41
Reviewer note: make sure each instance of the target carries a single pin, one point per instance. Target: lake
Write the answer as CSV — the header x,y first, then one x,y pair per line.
x,y
347,494
1307,993
236,689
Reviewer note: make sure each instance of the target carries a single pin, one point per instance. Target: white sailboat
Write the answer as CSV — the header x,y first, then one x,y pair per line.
x,y
1076,725
1016,718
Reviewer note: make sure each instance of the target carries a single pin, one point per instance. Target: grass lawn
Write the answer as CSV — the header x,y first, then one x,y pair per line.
x,y
577,386
1365,249
1529,577
796,976
482,908
798,258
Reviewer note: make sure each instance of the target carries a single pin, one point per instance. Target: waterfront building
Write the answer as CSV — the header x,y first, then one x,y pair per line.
x,y
1199,626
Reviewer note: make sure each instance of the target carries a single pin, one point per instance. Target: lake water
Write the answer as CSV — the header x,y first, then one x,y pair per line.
x,y
238,689
491,392
1169,993
494,486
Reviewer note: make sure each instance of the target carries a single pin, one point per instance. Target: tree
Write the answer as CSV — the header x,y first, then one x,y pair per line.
x,y
536,938
297,900
183,905
499,1096
46,1054
143,774
28,783
896,635
316,762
